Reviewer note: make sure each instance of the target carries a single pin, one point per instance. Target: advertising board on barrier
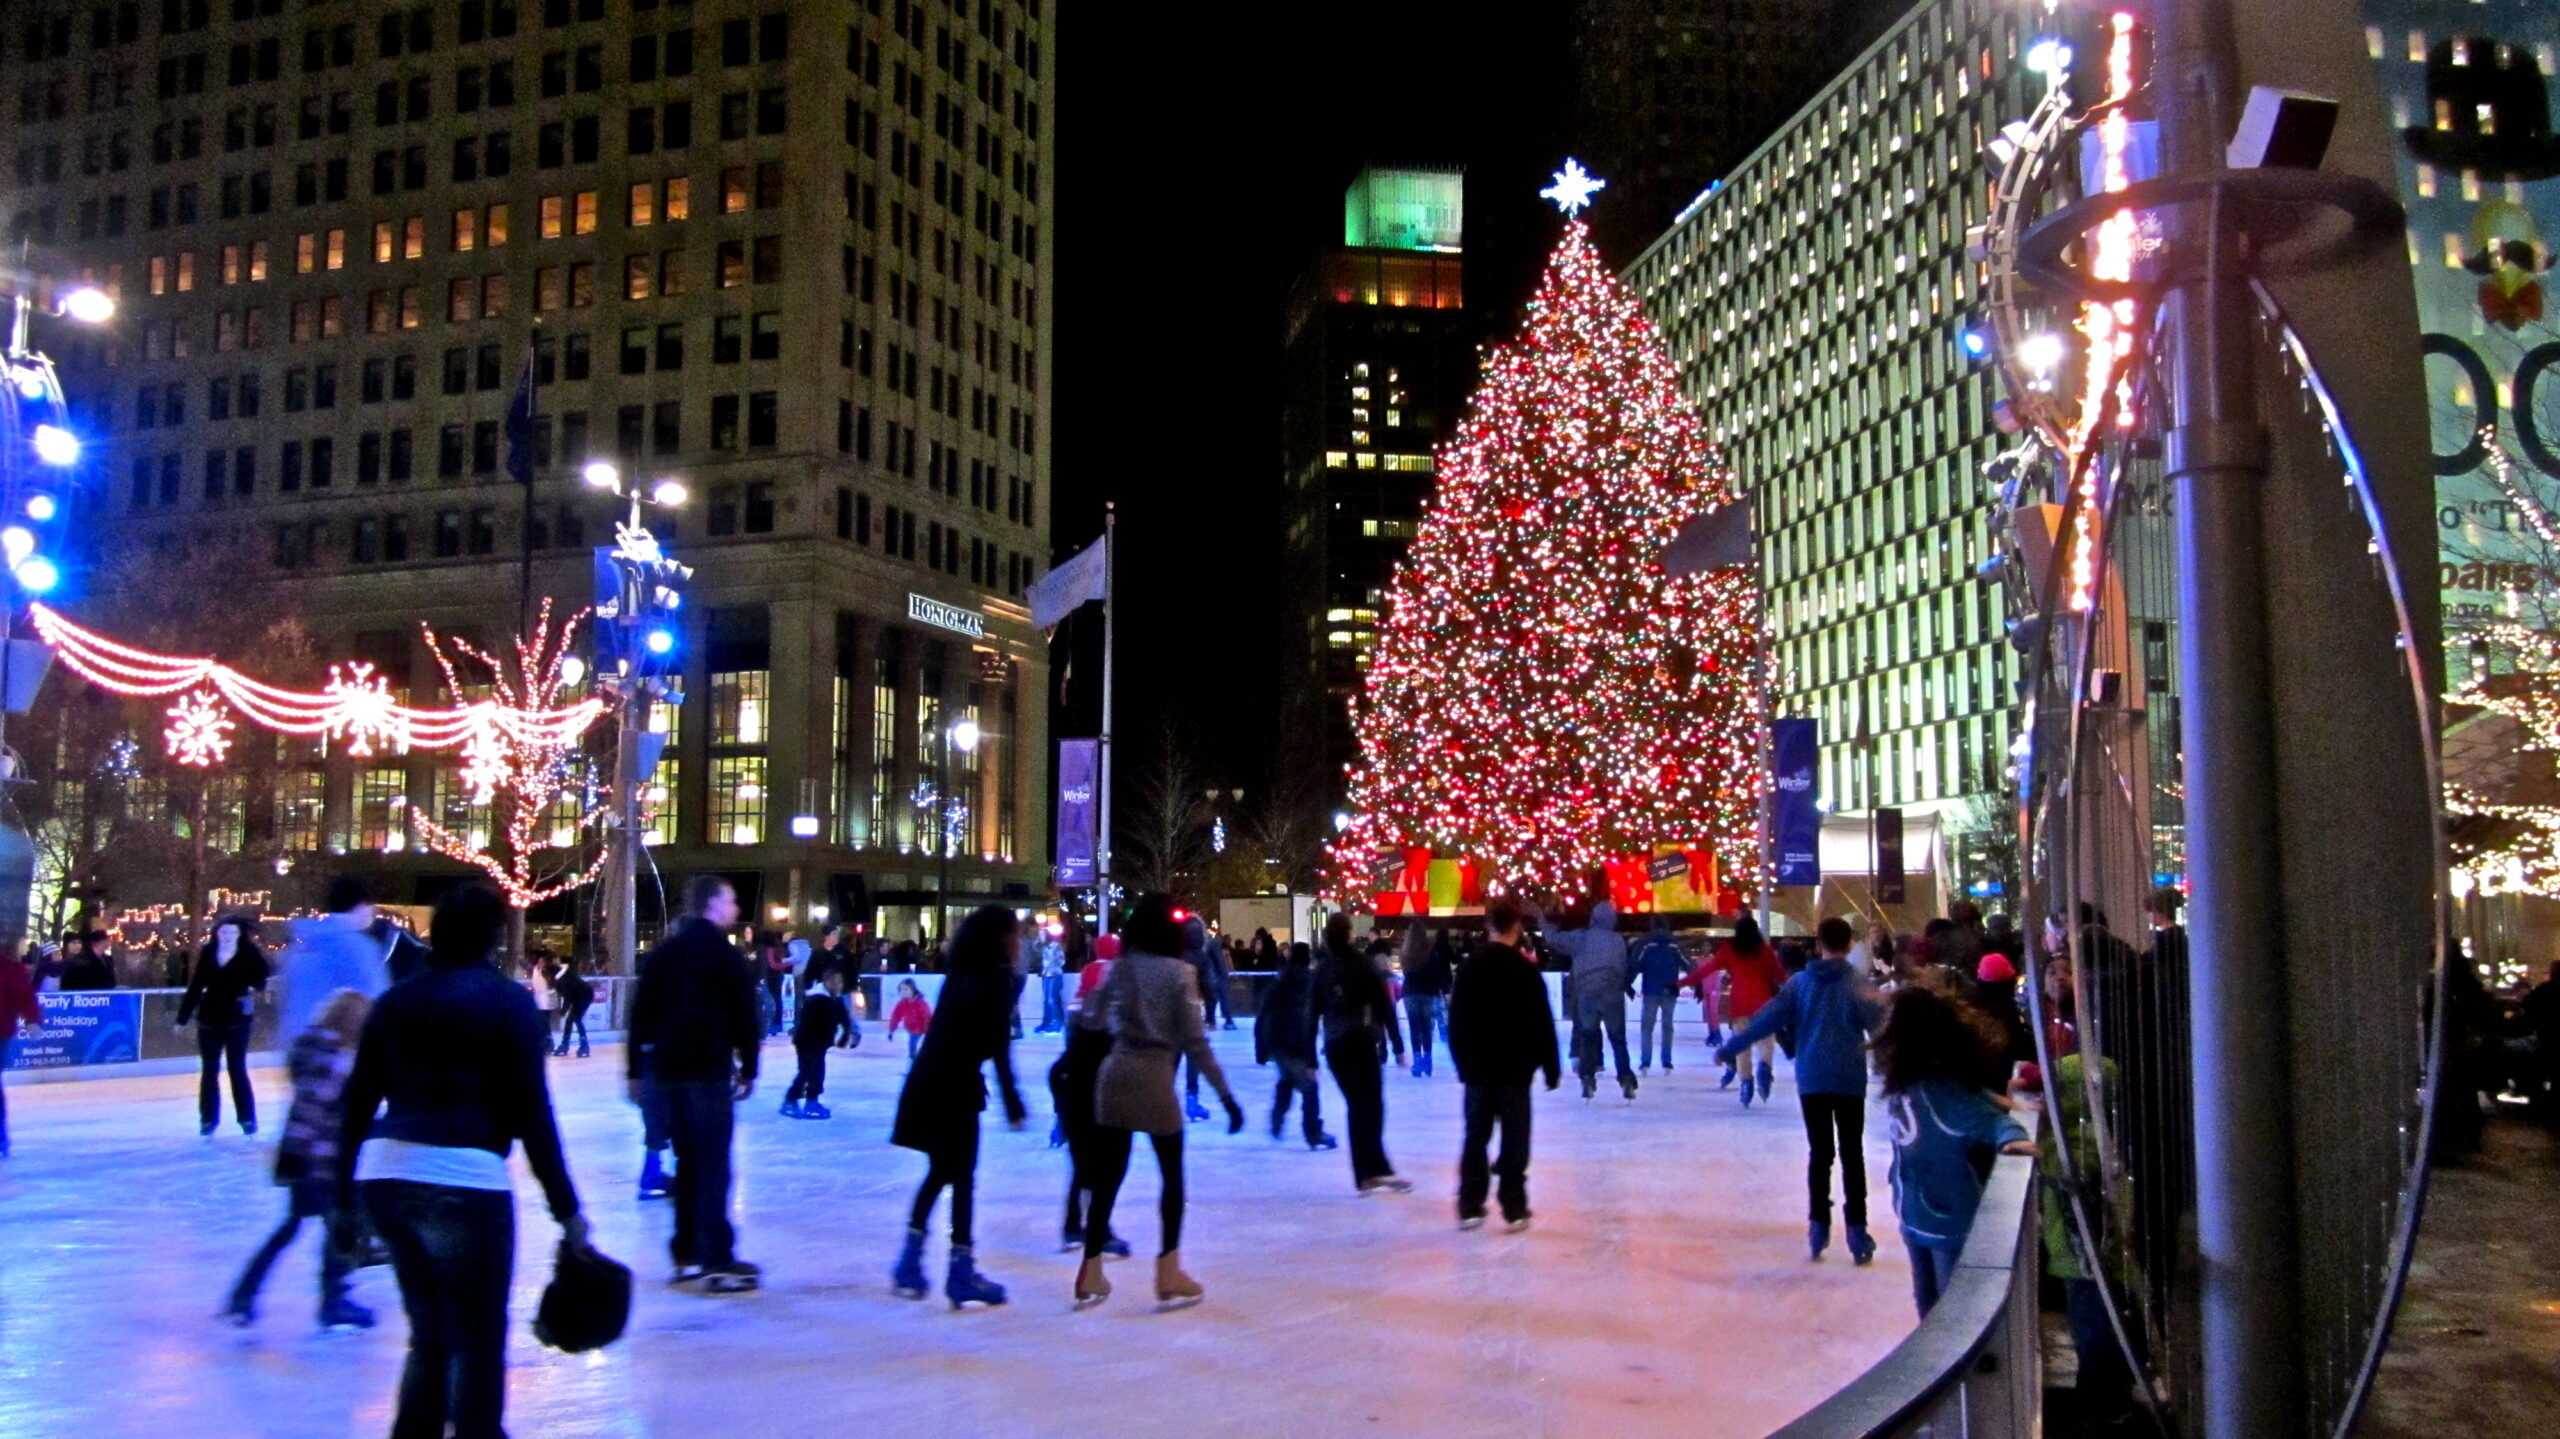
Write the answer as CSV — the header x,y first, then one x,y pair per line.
x,y
81,1028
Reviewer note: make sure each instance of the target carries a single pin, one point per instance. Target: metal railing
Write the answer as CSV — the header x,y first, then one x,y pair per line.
x,y
1974,1366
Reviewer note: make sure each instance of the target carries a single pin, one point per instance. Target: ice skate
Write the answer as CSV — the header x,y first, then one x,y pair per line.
x,y
1470,1223
1387,1184
791,1109
735,1277
814,1110
655,1183
1817,1238
1175,1289
965,1286
906,1278
1092,1285
344,1313
1862,1245
1764,1083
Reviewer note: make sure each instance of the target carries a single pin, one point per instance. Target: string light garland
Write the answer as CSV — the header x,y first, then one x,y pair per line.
x,y
528,770
355,708
1543,699
2108,327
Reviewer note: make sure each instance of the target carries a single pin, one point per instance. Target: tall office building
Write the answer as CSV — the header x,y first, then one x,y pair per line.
x,y
1811,302
1671,94
1379,361
792,257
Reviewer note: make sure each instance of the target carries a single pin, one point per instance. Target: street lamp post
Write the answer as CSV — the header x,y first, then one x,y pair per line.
x,y
961,735
643,649
31,383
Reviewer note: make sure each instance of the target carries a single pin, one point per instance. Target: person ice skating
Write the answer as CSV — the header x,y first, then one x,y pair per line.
x,y
1151,1003
1053,984
18,1006
1928,1043
1659,966
909,1016
221,998
1071,1084
1502,1031
946,1091
321,1058
332,951
822,1018
693,1036
1430,962
1208,961
1359,1024
1601,988
452,1064
577,995
404,956
1284,1034
1831,1010
1757,975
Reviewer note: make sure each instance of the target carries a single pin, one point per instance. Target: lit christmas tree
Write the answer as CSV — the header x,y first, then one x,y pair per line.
x,y
1544,700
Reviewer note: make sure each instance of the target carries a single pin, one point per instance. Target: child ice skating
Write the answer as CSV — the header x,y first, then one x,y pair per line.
x,y
320,1062
910,1015
1937,1120
1831,1011
822,1018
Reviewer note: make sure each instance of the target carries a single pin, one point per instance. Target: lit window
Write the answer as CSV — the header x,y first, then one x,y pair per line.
x,y
1336,459
382,241
306,254
466,231
493,231
644,205
551,217
737,799
584,221
413,237
679,199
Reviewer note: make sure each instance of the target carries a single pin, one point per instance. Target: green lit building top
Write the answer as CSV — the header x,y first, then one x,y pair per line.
x,y
1811,301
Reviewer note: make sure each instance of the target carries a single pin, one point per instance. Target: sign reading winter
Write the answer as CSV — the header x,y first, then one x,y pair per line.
x,y
1079,769
1795,817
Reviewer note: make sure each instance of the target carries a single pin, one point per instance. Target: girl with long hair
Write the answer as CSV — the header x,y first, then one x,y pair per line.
x,y
945,1093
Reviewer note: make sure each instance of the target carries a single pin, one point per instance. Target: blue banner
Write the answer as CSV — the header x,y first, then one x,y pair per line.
x,y
1079,783
84,1027
1795,827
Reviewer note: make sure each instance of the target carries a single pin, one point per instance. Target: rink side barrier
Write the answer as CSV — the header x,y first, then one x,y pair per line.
x,y
1974,1368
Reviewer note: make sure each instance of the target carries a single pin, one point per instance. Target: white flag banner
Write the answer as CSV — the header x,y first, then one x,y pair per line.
x,y
1056,594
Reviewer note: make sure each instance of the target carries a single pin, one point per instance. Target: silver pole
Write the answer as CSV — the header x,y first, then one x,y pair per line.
x,y
2217,463
1110,577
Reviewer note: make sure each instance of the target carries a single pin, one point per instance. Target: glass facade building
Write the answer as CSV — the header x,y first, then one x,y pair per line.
x,y
1812,301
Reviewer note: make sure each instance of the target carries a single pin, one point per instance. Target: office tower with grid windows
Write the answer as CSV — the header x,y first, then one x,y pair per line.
x,y
793,256
1379,358
1812,302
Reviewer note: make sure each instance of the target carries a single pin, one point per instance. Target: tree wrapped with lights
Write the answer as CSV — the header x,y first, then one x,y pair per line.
x,y
524,771
2505,812
1544,699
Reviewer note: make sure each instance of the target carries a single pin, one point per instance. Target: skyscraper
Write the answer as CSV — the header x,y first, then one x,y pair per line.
x,y
1379,361
793,258
1671,94
1812,302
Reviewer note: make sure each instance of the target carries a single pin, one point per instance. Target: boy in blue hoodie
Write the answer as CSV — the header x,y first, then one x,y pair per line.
x,y
1831,1011
1938,1119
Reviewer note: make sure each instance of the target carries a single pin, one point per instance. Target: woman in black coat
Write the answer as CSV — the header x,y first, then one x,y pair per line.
x,y
945,1093
1358,1019
221,998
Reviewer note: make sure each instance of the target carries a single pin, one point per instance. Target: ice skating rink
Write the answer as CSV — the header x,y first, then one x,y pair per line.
x,y
1663,1291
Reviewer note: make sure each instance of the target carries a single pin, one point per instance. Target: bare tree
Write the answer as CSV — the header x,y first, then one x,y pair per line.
x,y
1164,828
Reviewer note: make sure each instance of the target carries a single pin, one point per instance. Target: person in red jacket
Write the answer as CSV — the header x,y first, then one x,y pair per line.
x,y
910,1016
17,1006
1757,978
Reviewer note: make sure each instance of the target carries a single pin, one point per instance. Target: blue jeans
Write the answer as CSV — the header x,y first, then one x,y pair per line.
x,y
455,1253
1932,1270
1053,1003
1422,1012
1658,1009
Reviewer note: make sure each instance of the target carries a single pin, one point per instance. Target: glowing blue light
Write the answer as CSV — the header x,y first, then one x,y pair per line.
x,y
57,446
1975,341
41,508
660,641
38,575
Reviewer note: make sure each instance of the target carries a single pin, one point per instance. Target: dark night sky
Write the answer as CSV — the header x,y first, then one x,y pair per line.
x,y
1195,180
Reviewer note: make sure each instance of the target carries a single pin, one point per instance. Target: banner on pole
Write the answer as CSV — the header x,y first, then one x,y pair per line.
x,y
1079,581
1795,827
1079,782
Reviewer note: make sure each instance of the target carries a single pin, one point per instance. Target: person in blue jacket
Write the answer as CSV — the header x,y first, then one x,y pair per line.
x,y
1830,1009
1938,1120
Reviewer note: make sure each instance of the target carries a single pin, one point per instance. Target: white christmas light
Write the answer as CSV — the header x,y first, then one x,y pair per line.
x,y
1573,187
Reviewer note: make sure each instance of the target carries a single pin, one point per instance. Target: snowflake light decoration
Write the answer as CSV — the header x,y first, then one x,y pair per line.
x,y
1573,188
199,730
361,710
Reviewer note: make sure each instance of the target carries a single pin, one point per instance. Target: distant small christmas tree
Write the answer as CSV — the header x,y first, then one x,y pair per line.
x,y
1543,698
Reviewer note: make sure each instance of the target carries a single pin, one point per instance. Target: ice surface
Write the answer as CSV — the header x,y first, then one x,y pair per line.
x,y
1664,1289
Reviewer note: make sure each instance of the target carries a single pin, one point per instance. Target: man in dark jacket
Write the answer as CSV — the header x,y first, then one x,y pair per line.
x,y
1426,995
1501,1031
95,968
691,1047
1284,1033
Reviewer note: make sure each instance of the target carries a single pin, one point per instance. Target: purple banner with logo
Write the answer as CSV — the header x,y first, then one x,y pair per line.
x,y
1079,793
1795,828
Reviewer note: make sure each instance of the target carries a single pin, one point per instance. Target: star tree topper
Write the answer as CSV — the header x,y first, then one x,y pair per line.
x,y
1574,187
